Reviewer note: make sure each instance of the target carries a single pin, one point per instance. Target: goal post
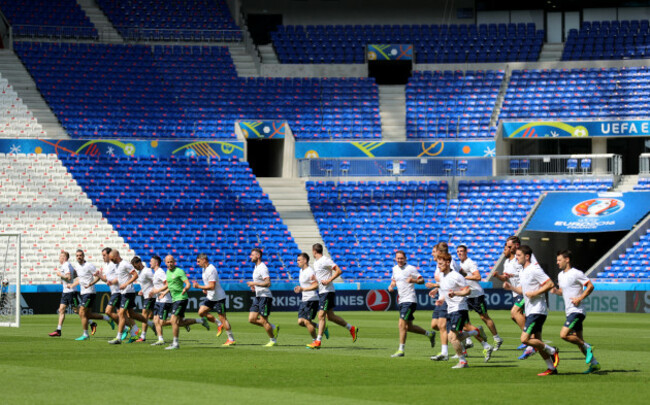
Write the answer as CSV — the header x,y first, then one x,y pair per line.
x,y
10,280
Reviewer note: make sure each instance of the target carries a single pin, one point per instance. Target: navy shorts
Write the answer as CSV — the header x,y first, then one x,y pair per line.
x,y
534,323
457,320
477,304
179,307
406,310
128,301
70,299
163,309
440,311
217,306
519,302
262,305
574,322
149,304
326,301
308,309
115,301
87,300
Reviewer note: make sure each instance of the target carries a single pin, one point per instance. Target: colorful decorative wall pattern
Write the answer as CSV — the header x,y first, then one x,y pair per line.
x,y
264,129
390,52
395,149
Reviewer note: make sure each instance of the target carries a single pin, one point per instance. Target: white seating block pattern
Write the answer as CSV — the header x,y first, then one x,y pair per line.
x,y
16,121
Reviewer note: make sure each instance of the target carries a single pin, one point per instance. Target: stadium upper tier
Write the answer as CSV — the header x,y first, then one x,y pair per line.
x,y
184,207
109,91
451,104
363,223
598,40
42,202
431,43
45,17
578,93
185,20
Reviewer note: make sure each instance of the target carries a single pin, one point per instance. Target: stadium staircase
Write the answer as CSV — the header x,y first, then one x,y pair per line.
x,y
392,109
498,104
268,54
551,53
627,183
104,27
22,83
290,200
40,200
243,60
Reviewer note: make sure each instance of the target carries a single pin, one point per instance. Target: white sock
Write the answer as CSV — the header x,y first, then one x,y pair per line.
x,y
548,349
175,341
199,320
486,345
119,336
85,332
151,324
468,341
593,361
319,337
586,346
444,350
230,335
497,337
549,363
471,333
401,347
106,318
160,338
348,327
273,340
218,322
143,336
58,327
272,326
462,358
428,333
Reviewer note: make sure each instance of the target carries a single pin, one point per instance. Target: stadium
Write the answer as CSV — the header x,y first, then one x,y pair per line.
x,y
342,169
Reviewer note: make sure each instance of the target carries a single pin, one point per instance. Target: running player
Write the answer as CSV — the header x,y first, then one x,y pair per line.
x,y
454,289
326,272
439,316
476,298
69,297
534,283
574,287
309,304
263,301
109,276
404,278
145,279
215,298
177,285
163,305
87,278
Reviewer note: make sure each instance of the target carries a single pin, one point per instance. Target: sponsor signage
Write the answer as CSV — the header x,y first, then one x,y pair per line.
x,y
597,301
576,129
591,212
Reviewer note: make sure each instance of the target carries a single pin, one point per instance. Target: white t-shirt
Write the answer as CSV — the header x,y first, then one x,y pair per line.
x,y
405,290
512,267
159,281
111,274
210,274
468,267
306,279
259,274
437,275
86,273
324,268
572,283
453,281
145,279
124,272
532,278
67,270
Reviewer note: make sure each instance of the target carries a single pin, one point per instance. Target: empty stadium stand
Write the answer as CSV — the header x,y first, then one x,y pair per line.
x,y
109,91
184,207
451,104
630,266
40,200
432,43
48,18
599,40
16,121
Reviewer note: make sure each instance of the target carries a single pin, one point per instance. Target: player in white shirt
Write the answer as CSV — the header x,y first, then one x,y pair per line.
x,y
404,278
126,276
574,287
87,277
534,283
476,298
454,289
109,276
69,296
163,306
308,286
326,272
263,301
145,279
439,315
215,298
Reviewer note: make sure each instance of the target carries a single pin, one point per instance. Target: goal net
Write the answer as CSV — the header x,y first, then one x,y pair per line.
x,y
10,280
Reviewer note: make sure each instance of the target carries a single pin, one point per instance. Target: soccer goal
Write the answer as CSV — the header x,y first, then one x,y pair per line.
x,y
10,280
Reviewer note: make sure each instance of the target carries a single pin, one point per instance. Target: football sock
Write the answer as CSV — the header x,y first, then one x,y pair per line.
x,y
198,320
143,336
58,327
150,324
462,358
401,347
549,363
471,333
444,350
230,335
497,337
428,333
106,318
348,326
218,322
486,345
175,341
319,337
273,340
548,349
85,332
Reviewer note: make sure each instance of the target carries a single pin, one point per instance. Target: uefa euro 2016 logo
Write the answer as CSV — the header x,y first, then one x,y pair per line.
x,y
598,207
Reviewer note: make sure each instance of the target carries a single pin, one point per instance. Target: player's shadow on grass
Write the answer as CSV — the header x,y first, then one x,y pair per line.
x,y
604,372
492,365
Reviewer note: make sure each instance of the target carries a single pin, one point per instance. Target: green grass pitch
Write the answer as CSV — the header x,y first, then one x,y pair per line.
x,y
38,369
